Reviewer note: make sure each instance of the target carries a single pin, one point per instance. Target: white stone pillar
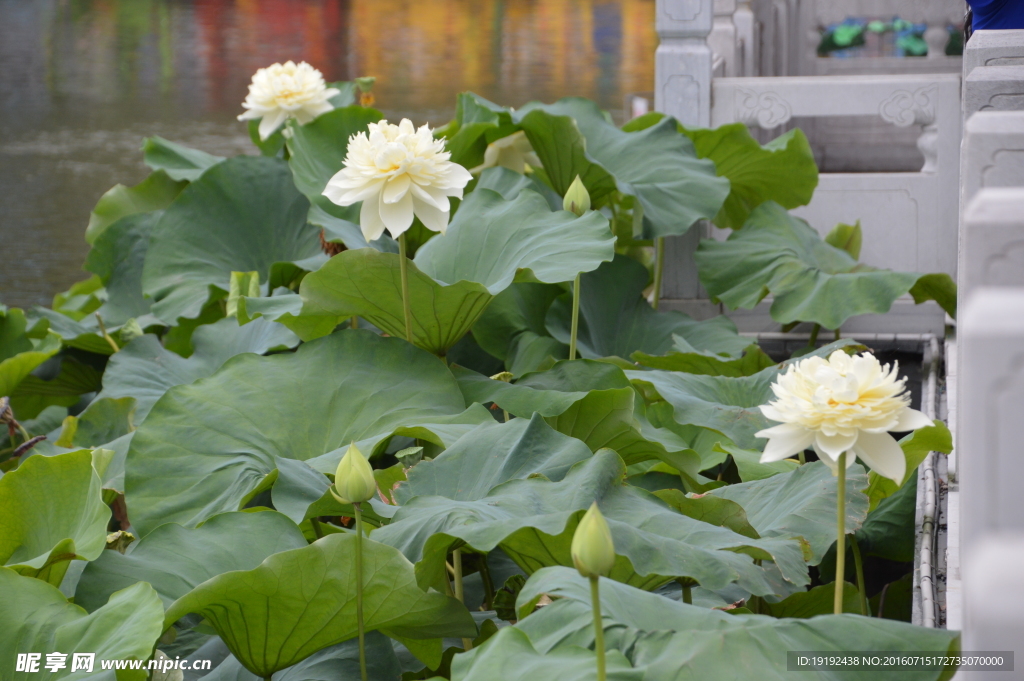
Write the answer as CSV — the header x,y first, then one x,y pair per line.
x,y
682,88
682,63
991,418
994,600
992,241
993,152
994,48
994,88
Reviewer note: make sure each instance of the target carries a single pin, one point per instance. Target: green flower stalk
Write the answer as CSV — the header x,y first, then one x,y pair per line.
x,y
593,554
577,200
403,261
353,484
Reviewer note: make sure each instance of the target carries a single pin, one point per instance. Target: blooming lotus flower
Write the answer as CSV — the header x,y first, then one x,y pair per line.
x,y
283,91
397,171
592,549
512,151
842,404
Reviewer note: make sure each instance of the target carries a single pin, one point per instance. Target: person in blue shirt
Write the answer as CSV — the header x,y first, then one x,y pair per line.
x,y
995,14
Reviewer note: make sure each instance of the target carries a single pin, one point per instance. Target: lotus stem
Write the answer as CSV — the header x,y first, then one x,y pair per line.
x,y
838,334
359,590
485,573
859,564
403,262
688,595
354,322
814,336
106,336
802,456
840,533
659,269
595,599
317,530
575,317
460,592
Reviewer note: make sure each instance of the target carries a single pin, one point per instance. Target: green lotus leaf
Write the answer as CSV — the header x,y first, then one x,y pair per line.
x,y
509,184
916,447
53,514
673,641
83,335
511,657
657,165
889,530
710,509
754,359
300,601
724,403
20,355
178,161
368,283
801,503
491,454
491,239
512,327
37,617
245,215
116,258
811,280
782,171
317,149
175,560
350,386
533,521
476,121
616,320
154,193
145,370
334,663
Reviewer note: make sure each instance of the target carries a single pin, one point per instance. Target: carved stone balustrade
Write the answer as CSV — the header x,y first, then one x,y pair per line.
x,y
994,88
994,48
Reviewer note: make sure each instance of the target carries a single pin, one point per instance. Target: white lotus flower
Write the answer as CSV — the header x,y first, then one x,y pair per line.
x,y
397,171
843,404
283,91
512,151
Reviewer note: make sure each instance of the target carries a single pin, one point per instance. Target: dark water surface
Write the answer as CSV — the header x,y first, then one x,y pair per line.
x,y
83,81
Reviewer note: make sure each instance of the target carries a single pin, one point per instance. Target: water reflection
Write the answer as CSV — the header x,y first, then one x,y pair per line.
x,y
82,81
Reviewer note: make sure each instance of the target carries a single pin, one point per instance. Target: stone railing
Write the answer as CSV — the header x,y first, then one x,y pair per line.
x,y
988,377
910,218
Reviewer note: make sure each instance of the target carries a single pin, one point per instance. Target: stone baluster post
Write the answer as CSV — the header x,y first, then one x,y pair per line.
x,y
994,587
683,64
994,88
723,40
994,48
746,33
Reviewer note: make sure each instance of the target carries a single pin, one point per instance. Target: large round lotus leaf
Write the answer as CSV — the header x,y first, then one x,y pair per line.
x,y
783,170
811,280
166,558
615,319
491,239
177,160
241,215
117,257
510,656
673,641
144,369
205,447
533,521
37,618
801,503
53,513
334,663
368,283
491,454
317,149
298,602
657,165
730,405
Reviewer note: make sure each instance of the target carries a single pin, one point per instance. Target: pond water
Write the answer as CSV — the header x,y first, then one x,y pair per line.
x,y
83,81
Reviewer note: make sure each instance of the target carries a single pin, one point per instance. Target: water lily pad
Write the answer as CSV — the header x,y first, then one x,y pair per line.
x,y
177,160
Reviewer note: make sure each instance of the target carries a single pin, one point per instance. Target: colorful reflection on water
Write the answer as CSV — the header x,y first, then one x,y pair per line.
x,y
82,81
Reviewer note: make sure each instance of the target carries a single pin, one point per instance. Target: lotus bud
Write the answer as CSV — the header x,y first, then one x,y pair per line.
x,y
131,330
577,198
353,481
593,552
